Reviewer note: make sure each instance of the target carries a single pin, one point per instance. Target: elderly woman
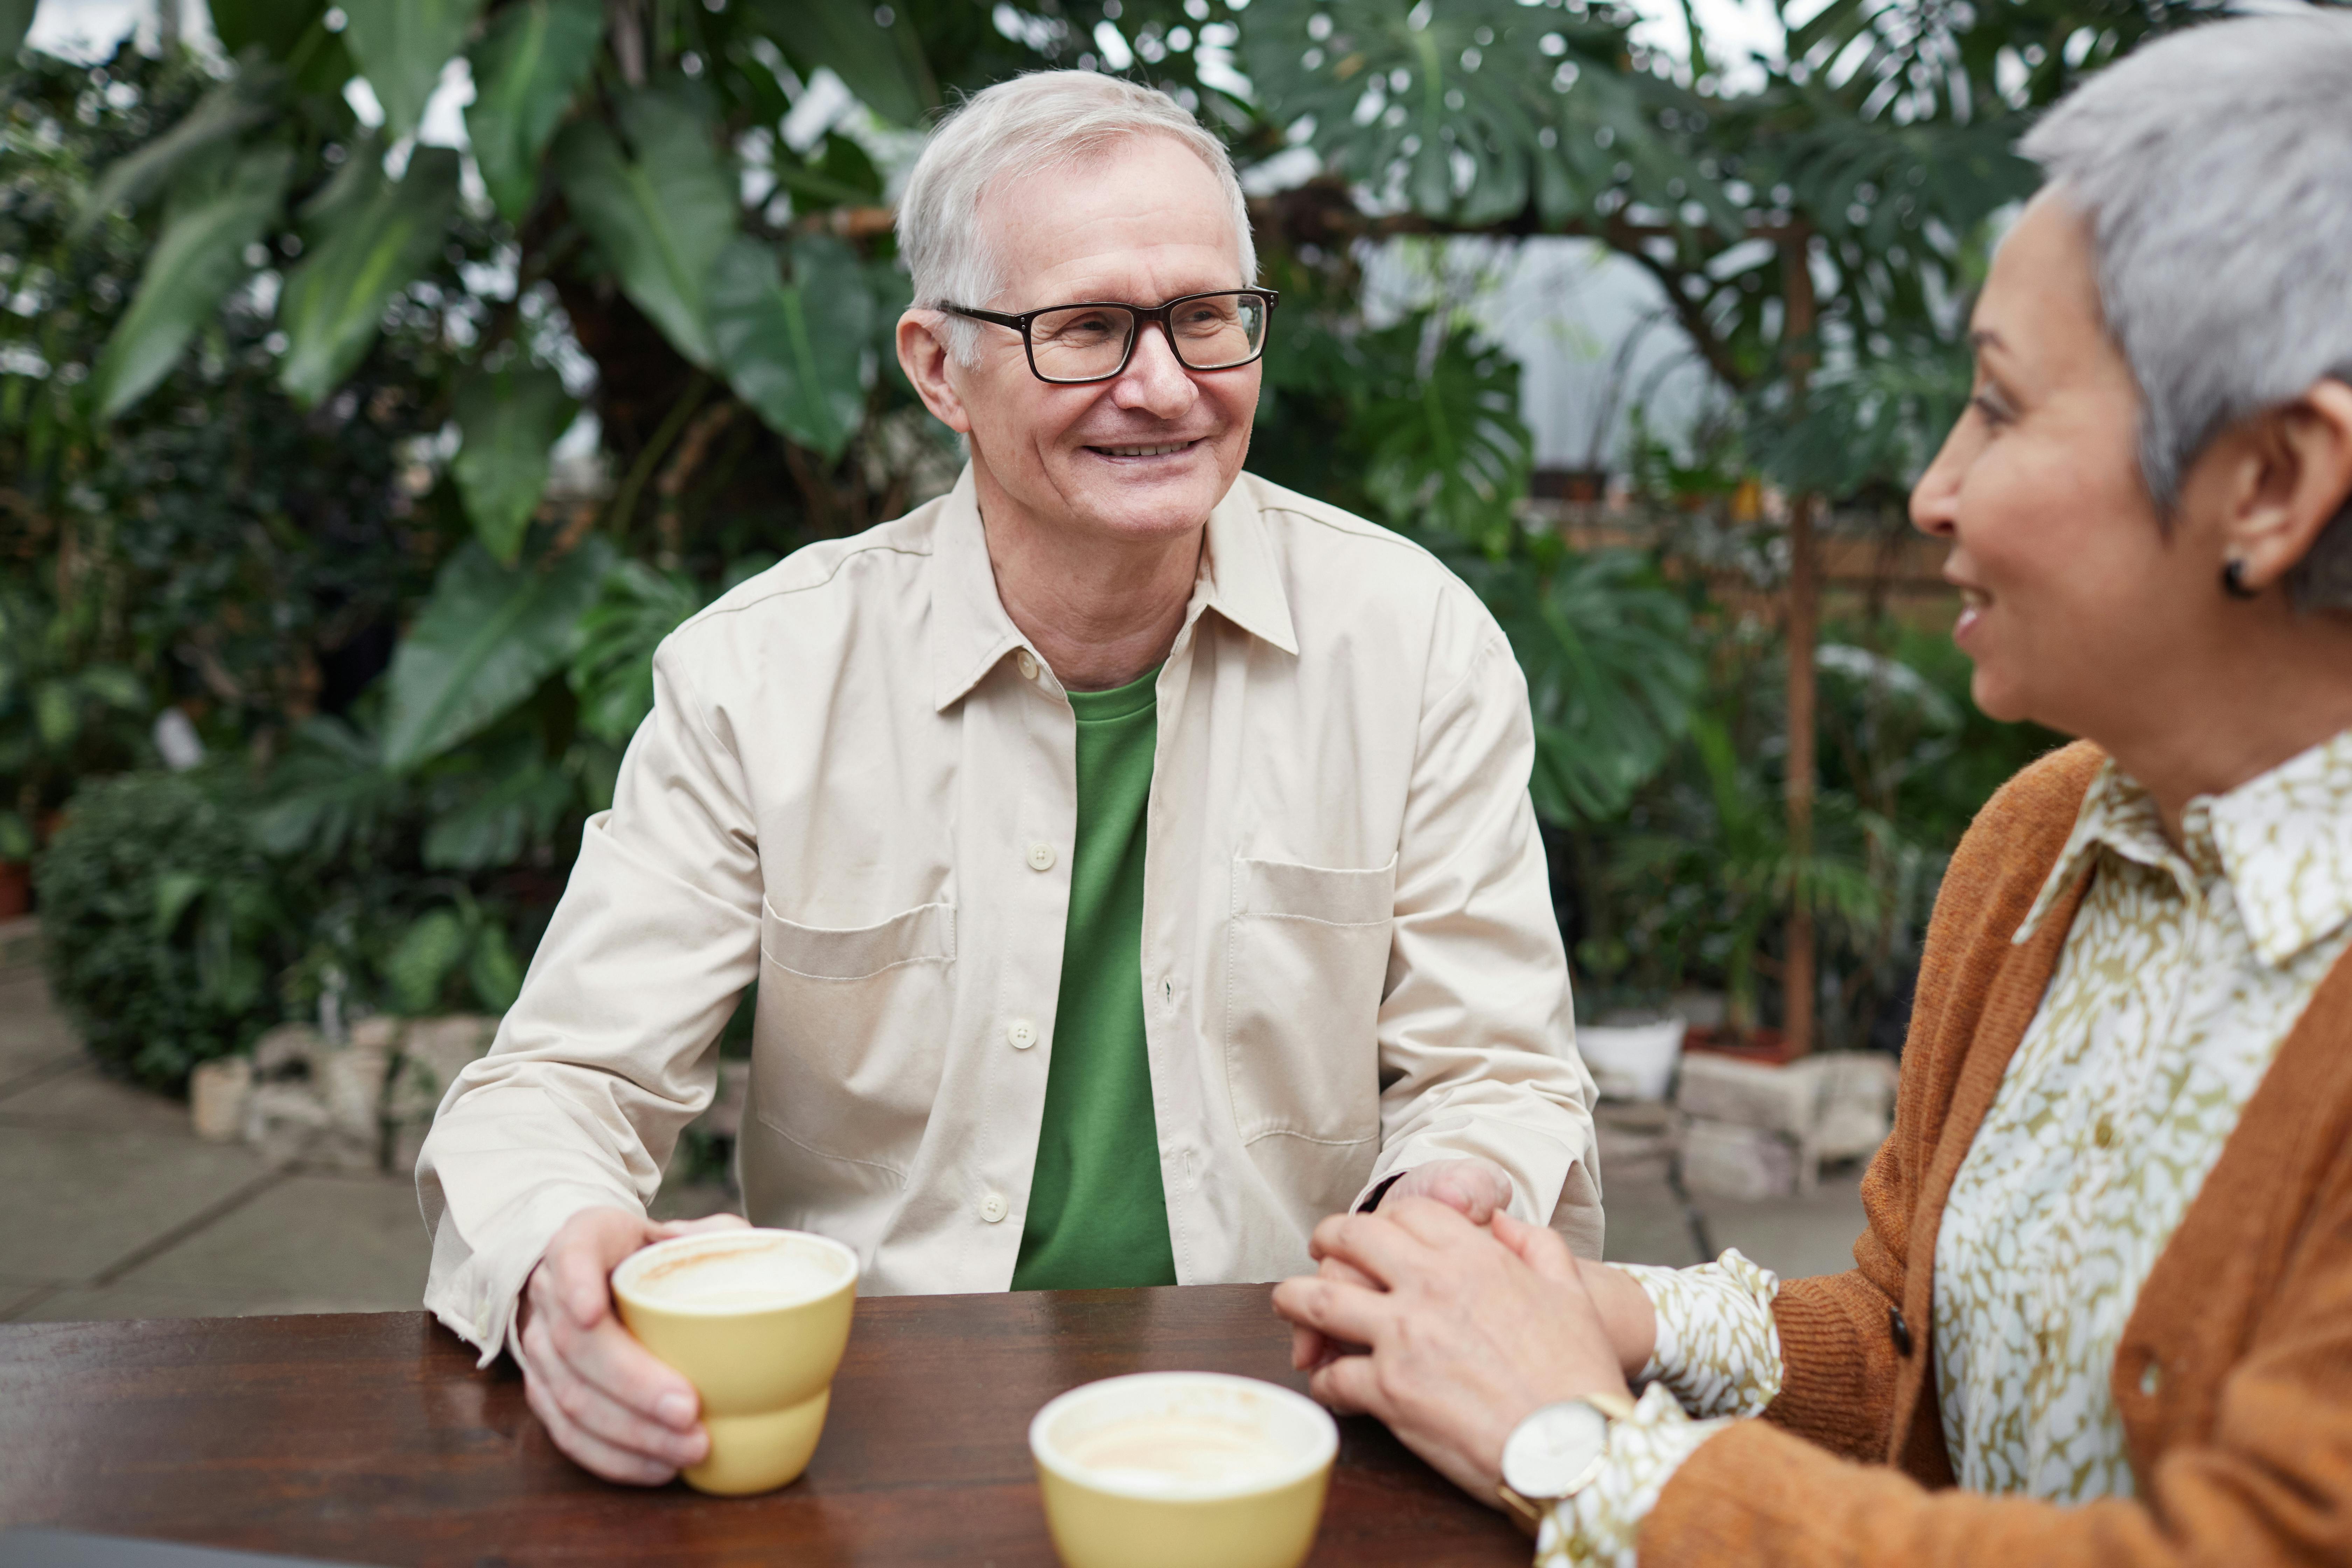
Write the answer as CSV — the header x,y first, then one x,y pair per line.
x,y
2102,1308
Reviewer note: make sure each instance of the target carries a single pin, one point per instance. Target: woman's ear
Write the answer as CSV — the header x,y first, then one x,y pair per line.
x,y
923,356
2284,477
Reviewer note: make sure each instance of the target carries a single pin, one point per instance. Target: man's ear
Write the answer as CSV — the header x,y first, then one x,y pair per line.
x,y
2288,475
923,356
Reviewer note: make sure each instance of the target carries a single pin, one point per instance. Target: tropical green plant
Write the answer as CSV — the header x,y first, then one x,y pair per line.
x,y
165,923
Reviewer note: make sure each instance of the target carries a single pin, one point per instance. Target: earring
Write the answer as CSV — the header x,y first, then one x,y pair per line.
x,y
2233,581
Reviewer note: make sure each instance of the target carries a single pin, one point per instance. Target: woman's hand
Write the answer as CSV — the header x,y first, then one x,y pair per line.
x,y
1468,1329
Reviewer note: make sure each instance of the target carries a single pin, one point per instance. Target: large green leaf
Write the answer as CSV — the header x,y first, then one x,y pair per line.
x,y
662,219
612,673
16,21
200,255
490,635
508,421
220,116
273,26
882,63
334,302
527,68
420,964
400,45
793,351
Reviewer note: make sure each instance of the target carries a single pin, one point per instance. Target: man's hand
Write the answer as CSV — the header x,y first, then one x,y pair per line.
x,y
1469,1329
607,1403
1479,1189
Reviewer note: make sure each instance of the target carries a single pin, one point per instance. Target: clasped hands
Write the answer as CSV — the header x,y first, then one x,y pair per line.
x,y
1451,1321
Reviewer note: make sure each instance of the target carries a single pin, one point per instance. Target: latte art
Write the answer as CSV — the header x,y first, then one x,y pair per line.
x,y
1183,1450
758,1275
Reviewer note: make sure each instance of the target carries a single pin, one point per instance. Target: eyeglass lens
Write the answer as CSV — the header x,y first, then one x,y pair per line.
x,y
1084,342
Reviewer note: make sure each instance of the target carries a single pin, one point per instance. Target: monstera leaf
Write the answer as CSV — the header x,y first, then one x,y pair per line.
x,y
508,421
400,45
220,117
794,351
490,635
383,235
873,50
527,69
1470,110
199,258
661,218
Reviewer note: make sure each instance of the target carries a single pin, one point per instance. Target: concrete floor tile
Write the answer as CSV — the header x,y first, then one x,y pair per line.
x,y
311,1242
32,1033
73,1202
1646,1225
1794,1237
81,1097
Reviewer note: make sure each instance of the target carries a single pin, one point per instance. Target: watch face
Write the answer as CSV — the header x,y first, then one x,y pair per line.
x,y
1551,1452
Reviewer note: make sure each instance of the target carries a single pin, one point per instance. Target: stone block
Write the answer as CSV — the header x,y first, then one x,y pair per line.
x,y
216,1095
1637,1140
1782,1099
1857,1104
432,1053
1728,1160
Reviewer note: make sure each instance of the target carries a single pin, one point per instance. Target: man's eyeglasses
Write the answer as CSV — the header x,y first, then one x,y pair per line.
x,y
1069,345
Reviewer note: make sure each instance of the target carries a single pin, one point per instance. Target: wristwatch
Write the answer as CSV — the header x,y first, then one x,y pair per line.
x,y
1556,1452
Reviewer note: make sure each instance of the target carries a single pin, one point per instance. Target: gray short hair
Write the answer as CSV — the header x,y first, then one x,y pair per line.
x,y
1015,128
2215,166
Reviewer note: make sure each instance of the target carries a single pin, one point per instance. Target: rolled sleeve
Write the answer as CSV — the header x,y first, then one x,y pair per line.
x,y
610,1050
1718,1345
1476,1033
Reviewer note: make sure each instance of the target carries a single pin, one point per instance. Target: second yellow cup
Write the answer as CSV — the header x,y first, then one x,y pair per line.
x,y
757,1320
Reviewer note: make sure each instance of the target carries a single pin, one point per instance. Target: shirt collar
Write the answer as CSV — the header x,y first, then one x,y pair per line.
x,y
2282,840
971,631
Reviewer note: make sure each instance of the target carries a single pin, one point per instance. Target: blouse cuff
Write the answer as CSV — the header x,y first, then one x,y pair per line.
x,y
1718,1348
1598,1525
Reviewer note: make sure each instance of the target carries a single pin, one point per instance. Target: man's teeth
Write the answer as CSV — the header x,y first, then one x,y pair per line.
x,y
1145,452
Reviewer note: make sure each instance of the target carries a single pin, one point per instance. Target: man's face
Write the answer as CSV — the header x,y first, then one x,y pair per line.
x,y
1147,455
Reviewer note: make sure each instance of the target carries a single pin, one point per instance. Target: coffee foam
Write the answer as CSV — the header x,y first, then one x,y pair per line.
x,y
1178,1452
753,1276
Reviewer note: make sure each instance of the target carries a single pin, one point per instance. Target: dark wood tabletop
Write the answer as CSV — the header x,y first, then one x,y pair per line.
x,y
372,1439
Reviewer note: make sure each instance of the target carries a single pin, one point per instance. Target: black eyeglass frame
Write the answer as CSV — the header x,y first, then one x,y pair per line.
x,y
1141,315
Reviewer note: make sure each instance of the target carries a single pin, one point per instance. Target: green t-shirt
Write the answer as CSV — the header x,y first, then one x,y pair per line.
x,y
1098,1214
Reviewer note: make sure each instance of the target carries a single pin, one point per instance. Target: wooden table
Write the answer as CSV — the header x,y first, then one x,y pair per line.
x,y
372,1439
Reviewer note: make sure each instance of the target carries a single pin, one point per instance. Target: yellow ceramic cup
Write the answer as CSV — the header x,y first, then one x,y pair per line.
x,y
1173,1470
757,1320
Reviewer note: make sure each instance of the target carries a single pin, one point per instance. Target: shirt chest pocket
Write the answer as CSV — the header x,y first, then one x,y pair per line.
x,y
852,1031
1306,964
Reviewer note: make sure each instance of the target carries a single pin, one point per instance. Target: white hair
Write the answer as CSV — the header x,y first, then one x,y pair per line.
x,y
1019,128
2215,166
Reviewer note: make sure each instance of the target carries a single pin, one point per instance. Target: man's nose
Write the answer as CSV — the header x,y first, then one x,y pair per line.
x,y
1155,381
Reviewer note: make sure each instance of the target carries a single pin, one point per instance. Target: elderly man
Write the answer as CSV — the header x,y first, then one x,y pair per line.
x,y
1134,859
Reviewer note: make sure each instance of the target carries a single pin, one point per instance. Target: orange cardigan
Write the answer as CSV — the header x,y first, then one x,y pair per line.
x,y
2233,1379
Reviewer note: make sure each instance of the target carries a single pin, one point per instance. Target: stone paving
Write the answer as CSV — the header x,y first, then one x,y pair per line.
x,y
111,1207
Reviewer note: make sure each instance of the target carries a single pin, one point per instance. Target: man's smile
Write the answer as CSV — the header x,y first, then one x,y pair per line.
x,y
1146,450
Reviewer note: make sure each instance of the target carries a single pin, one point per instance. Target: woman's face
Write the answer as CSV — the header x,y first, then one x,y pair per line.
x,y
2077,601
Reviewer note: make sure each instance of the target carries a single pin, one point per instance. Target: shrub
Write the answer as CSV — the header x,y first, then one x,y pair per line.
x,y
165,928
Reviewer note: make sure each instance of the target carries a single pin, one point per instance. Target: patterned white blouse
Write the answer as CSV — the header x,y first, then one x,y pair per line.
x,y
2183,972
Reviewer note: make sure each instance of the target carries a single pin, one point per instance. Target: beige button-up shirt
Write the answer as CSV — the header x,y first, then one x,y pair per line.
x,y
859,788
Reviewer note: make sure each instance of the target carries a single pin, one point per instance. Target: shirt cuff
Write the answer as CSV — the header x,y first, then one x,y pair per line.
x,y
1598,1524
1719,1347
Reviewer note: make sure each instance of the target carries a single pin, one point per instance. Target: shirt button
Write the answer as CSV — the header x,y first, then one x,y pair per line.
x,y
2104,1134
1041,857
1022,1035
992,1207
1028,663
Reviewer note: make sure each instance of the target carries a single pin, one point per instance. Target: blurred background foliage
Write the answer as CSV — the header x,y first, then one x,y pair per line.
x,y
347,482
